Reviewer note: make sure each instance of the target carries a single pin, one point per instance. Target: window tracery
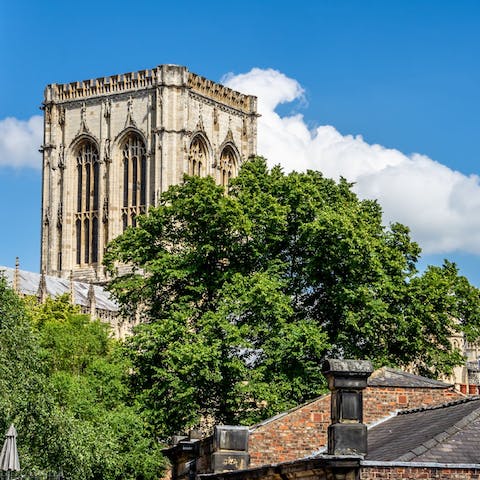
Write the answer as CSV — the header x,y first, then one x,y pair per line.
x,y
86,223
197,157
134,179
227,165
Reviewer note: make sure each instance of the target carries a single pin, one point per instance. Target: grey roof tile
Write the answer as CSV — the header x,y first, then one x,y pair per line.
x,y
447,433
29,281
390,377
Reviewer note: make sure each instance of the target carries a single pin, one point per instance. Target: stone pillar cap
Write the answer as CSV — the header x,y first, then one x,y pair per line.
x,y
346,367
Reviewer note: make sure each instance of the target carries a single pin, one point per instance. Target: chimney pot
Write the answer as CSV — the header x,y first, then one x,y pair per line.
x,y
347,435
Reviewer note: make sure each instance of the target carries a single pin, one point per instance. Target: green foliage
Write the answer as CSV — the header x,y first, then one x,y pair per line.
x,y
20,374
74,343
64,385
88,382
58,309
244,294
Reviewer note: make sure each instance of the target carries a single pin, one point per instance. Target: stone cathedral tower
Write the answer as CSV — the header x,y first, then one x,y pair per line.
x,y
112,145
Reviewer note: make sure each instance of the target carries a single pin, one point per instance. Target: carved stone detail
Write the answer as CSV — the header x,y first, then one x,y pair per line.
x,y
177,117
61,156
48,114
229,136
83,120
244,127
106,150
47,216
60,215
105,210
200,127
130,122
107,108
61,115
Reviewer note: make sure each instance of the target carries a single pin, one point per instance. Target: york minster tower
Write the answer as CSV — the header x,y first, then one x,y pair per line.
x,y
112,145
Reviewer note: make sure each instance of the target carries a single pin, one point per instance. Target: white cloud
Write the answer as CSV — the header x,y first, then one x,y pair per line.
x,y
20,141
440,205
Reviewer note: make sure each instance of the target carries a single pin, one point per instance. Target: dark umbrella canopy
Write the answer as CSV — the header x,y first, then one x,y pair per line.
x,y
9,456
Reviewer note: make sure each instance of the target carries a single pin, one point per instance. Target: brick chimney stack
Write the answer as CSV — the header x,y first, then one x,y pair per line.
x,y
347,434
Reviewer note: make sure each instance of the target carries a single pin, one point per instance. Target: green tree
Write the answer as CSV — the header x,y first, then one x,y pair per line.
x,y
63,383
21,377
244,294
99,433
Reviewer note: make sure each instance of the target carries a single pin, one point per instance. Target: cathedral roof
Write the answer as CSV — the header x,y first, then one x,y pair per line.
x,y
28,284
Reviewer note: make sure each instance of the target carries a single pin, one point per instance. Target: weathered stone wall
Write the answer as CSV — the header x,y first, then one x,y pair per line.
x,y
167,108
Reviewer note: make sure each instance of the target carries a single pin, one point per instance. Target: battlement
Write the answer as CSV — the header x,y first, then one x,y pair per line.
x,y
101,86
222,94
149,78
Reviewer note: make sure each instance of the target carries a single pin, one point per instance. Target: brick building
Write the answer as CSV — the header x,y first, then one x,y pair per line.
x,y
415,428
302,430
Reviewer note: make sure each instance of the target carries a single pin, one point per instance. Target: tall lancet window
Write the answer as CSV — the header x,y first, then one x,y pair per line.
x,y
197,157
228,165
134,179
86,218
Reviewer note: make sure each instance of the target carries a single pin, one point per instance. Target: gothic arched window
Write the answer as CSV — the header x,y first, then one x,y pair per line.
x,y
134,179
227,165
197,157
86,223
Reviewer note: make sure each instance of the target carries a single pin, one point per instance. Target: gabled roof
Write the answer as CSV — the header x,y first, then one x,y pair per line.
x,y
55,286
390,377
446,433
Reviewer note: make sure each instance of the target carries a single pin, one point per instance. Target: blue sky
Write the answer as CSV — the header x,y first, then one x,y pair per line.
x,y
403,75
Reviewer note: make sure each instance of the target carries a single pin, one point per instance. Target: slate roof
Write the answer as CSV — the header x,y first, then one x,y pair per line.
x,y
390,377
446,433
29,281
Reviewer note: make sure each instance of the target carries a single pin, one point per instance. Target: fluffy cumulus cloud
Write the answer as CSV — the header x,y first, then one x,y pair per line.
x,y
20,141
440,205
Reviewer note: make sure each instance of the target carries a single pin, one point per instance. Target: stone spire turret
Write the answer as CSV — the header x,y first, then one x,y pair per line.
x,y
16,276
92,300
42,288
72,288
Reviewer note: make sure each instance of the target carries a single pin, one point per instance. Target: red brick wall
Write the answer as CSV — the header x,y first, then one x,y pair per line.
x,y
304,430
419,473
294,435
379,402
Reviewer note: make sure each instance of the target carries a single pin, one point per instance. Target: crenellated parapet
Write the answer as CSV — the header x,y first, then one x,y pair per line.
x,y
126,82
222,94
150,78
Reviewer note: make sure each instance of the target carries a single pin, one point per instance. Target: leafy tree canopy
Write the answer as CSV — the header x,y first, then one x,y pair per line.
x,y
64,386
244,294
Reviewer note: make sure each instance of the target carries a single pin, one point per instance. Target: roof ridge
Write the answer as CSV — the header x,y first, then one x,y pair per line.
x,y
398,371
438,406
390,376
